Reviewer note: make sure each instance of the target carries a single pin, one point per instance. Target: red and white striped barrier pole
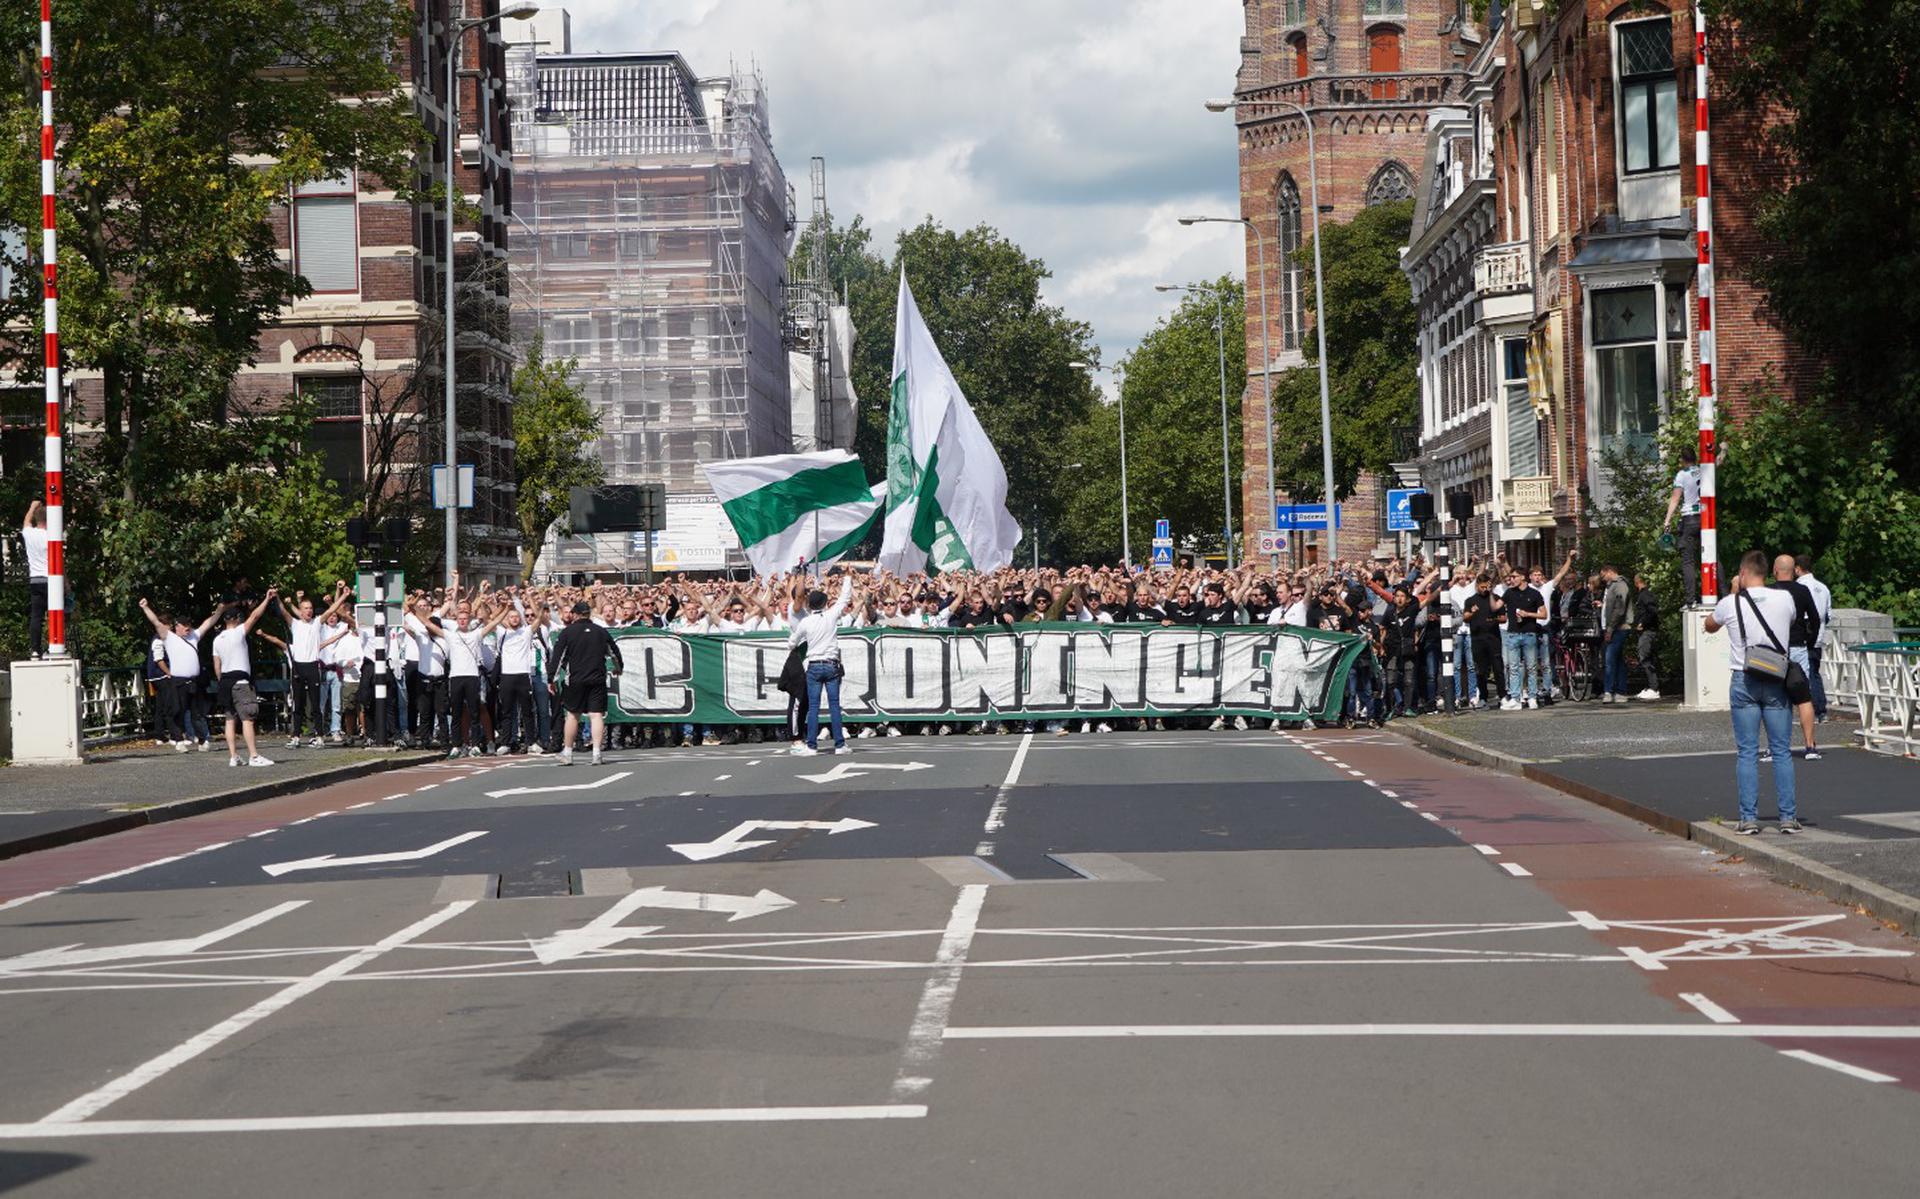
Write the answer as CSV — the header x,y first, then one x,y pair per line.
x,y
50,259
1708,354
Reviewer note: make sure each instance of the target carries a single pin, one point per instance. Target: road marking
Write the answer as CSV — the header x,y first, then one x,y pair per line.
x,y
263,832
327,860
645,1115
1708,1008
1350,770
847,770
18,900
1516,870
593,786
997,814
1389,794
929,1026
721,778
390,798
1429,816
365,803
1641,958
1859,1072
1822,1032
1407,803
1370,783
1589,921
605,929
684,794
428,787
96,1100
731,841
1489,850
101,878
753,762
73,955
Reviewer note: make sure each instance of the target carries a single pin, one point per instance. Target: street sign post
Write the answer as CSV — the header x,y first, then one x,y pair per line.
x,y
1273,541
1399,516
1305,516
1162,530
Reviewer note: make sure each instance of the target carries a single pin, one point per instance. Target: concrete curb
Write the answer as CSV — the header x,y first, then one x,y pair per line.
x,y
110,822
1784,865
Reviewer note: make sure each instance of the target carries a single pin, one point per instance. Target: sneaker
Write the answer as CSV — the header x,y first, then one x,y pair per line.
x,y
233,761
1103,727
596,758
1219,722
1766,755
1530,704
181,747
1306,726
1063,731
843,749
804,751
453,753
1812,754
1790,826
867,732
1648,694
797,746
293,743
894,732
1607,698
1509,705
1747,828
502,751
203,746
711,740
257,760
1239,724
566,756
536,750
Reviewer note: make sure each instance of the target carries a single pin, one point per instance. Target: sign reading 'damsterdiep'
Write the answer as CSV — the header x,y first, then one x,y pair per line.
x,y
1050,669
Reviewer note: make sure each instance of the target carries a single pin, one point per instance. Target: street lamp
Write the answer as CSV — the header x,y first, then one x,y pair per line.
x,y
1120,393
513,10
1226,461
1320,312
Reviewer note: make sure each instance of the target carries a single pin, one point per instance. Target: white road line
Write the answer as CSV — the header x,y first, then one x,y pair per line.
x,y
1516,870
1489,850
684,794
1641,958
1389,794
1589,921
1350,770
263,832
96,1100
365,803
754,762
997,814
428,787
1859,1072
1822,1032
1370,783
19,900
721,778
1429,816
655,1115
1407,803
936,998
983,850
1708,1008
390,798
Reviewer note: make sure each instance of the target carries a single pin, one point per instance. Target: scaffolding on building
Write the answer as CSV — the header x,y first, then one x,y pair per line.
x,y
650,244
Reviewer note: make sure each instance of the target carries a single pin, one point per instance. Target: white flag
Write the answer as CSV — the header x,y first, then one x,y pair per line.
x,y
946,489
790,508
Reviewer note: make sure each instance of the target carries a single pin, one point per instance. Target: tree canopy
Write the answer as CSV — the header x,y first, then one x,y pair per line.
x,y
555,434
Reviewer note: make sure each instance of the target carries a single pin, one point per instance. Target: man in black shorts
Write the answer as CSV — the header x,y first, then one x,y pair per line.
x,y
580,656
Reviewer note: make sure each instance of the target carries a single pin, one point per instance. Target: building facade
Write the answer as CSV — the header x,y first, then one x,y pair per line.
x,y
1557,280
366,346
655,226
1367,74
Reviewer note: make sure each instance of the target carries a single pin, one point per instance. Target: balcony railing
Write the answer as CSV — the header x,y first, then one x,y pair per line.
x,y
1352,91
1529,495
1502,269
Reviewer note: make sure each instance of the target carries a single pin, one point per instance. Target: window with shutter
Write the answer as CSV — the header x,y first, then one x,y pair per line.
x,y
326,234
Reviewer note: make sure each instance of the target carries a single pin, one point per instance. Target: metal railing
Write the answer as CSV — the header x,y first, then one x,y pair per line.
x,y
1351,91
1887,674
114,704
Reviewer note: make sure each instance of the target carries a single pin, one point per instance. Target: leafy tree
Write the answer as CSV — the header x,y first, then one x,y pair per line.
x,y
1372,357
1171,382
554,433
1834,84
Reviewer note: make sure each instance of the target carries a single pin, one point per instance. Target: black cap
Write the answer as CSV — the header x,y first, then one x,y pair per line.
x,y
582,608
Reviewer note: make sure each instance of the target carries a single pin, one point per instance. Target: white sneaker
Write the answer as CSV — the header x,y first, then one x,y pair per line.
x,y
338,738
233,761
501,751
1607,698
1239,724
204,746
894,732
257,760
1530,704
1306,726
1103,727
802,751
536,750
843,749
181,747
1648,694
293,743
566,756
596,758
866,732
453,753
1509,705
1219,722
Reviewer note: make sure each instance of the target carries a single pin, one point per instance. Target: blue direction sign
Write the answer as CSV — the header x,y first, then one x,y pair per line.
x,y
1304,516
1399,519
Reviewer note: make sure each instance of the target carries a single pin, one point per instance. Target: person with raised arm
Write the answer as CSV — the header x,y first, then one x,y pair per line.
x,y
233,666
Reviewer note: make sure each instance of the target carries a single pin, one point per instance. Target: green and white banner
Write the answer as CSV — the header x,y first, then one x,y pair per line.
x,y
793,508
1041,670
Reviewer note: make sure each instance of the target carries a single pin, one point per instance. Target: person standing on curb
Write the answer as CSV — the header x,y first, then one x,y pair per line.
x,y
1616,615
1646,626
181,646
305,631
233,666
1756,619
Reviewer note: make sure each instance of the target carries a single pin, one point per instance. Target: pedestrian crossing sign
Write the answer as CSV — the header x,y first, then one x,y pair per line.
x,y
1163,557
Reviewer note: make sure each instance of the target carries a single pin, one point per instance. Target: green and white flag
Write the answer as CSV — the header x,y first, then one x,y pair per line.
x,y
946,489
790,508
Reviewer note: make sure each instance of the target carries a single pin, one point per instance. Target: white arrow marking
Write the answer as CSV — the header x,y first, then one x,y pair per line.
x,y
406,855
847,770
606,929
612,778
72,955
730,842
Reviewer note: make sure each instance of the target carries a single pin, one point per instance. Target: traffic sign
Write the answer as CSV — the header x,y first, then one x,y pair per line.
x,y
1305,516
1273,541
1399,518
1163,554
1162,530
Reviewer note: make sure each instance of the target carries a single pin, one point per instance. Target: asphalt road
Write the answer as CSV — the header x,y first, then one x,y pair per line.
x,y
1131,965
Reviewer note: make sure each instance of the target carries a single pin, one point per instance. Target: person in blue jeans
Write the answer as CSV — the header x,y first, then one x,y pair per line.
x,y
1757,618
1616,612
819,631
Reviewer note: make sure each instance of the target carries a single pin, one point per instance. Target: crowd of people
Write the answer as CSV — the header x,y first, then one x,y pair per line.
x,y
474,668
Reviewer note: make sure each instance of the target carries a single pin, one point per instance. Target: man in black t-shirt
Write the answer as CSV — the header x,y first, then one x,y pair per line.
x,y
1802,633
1520,641
1481,615
580,656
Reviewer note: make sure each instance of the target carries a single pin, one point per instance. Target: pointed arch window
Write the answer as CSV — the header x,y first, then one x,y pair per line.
x,y
1292,300
1391,182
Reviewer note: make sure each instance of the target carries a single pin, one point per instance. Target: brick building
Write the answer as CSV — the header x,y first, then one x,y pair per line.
x,y
366,345
1367,73
1557,289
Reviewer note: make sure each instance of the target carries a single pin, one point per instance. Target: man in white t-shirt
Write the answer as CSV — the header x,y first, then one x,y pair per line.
x,y
33,533
1685,502
305,633
513,709
180,647
1756,616
1823,603
233,665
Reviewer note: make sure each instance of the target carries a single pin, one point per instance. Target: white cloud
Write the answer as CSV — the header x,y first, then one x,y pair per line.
x,y
1075,127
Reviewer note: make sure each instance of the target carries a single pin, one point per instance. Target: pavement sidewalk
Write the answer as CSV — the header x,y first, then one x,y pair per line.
x,y
126,786
1673,769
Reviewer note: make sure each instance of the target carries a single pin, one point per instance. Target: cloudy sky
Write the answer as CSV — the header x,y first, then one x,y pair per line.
x,y
1075,127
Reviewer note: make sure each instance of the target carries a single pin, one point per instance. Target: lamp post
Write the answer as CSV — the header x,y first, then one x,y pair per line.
x,y
1266,343
457,27
1319,308
1120,394
1226,460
